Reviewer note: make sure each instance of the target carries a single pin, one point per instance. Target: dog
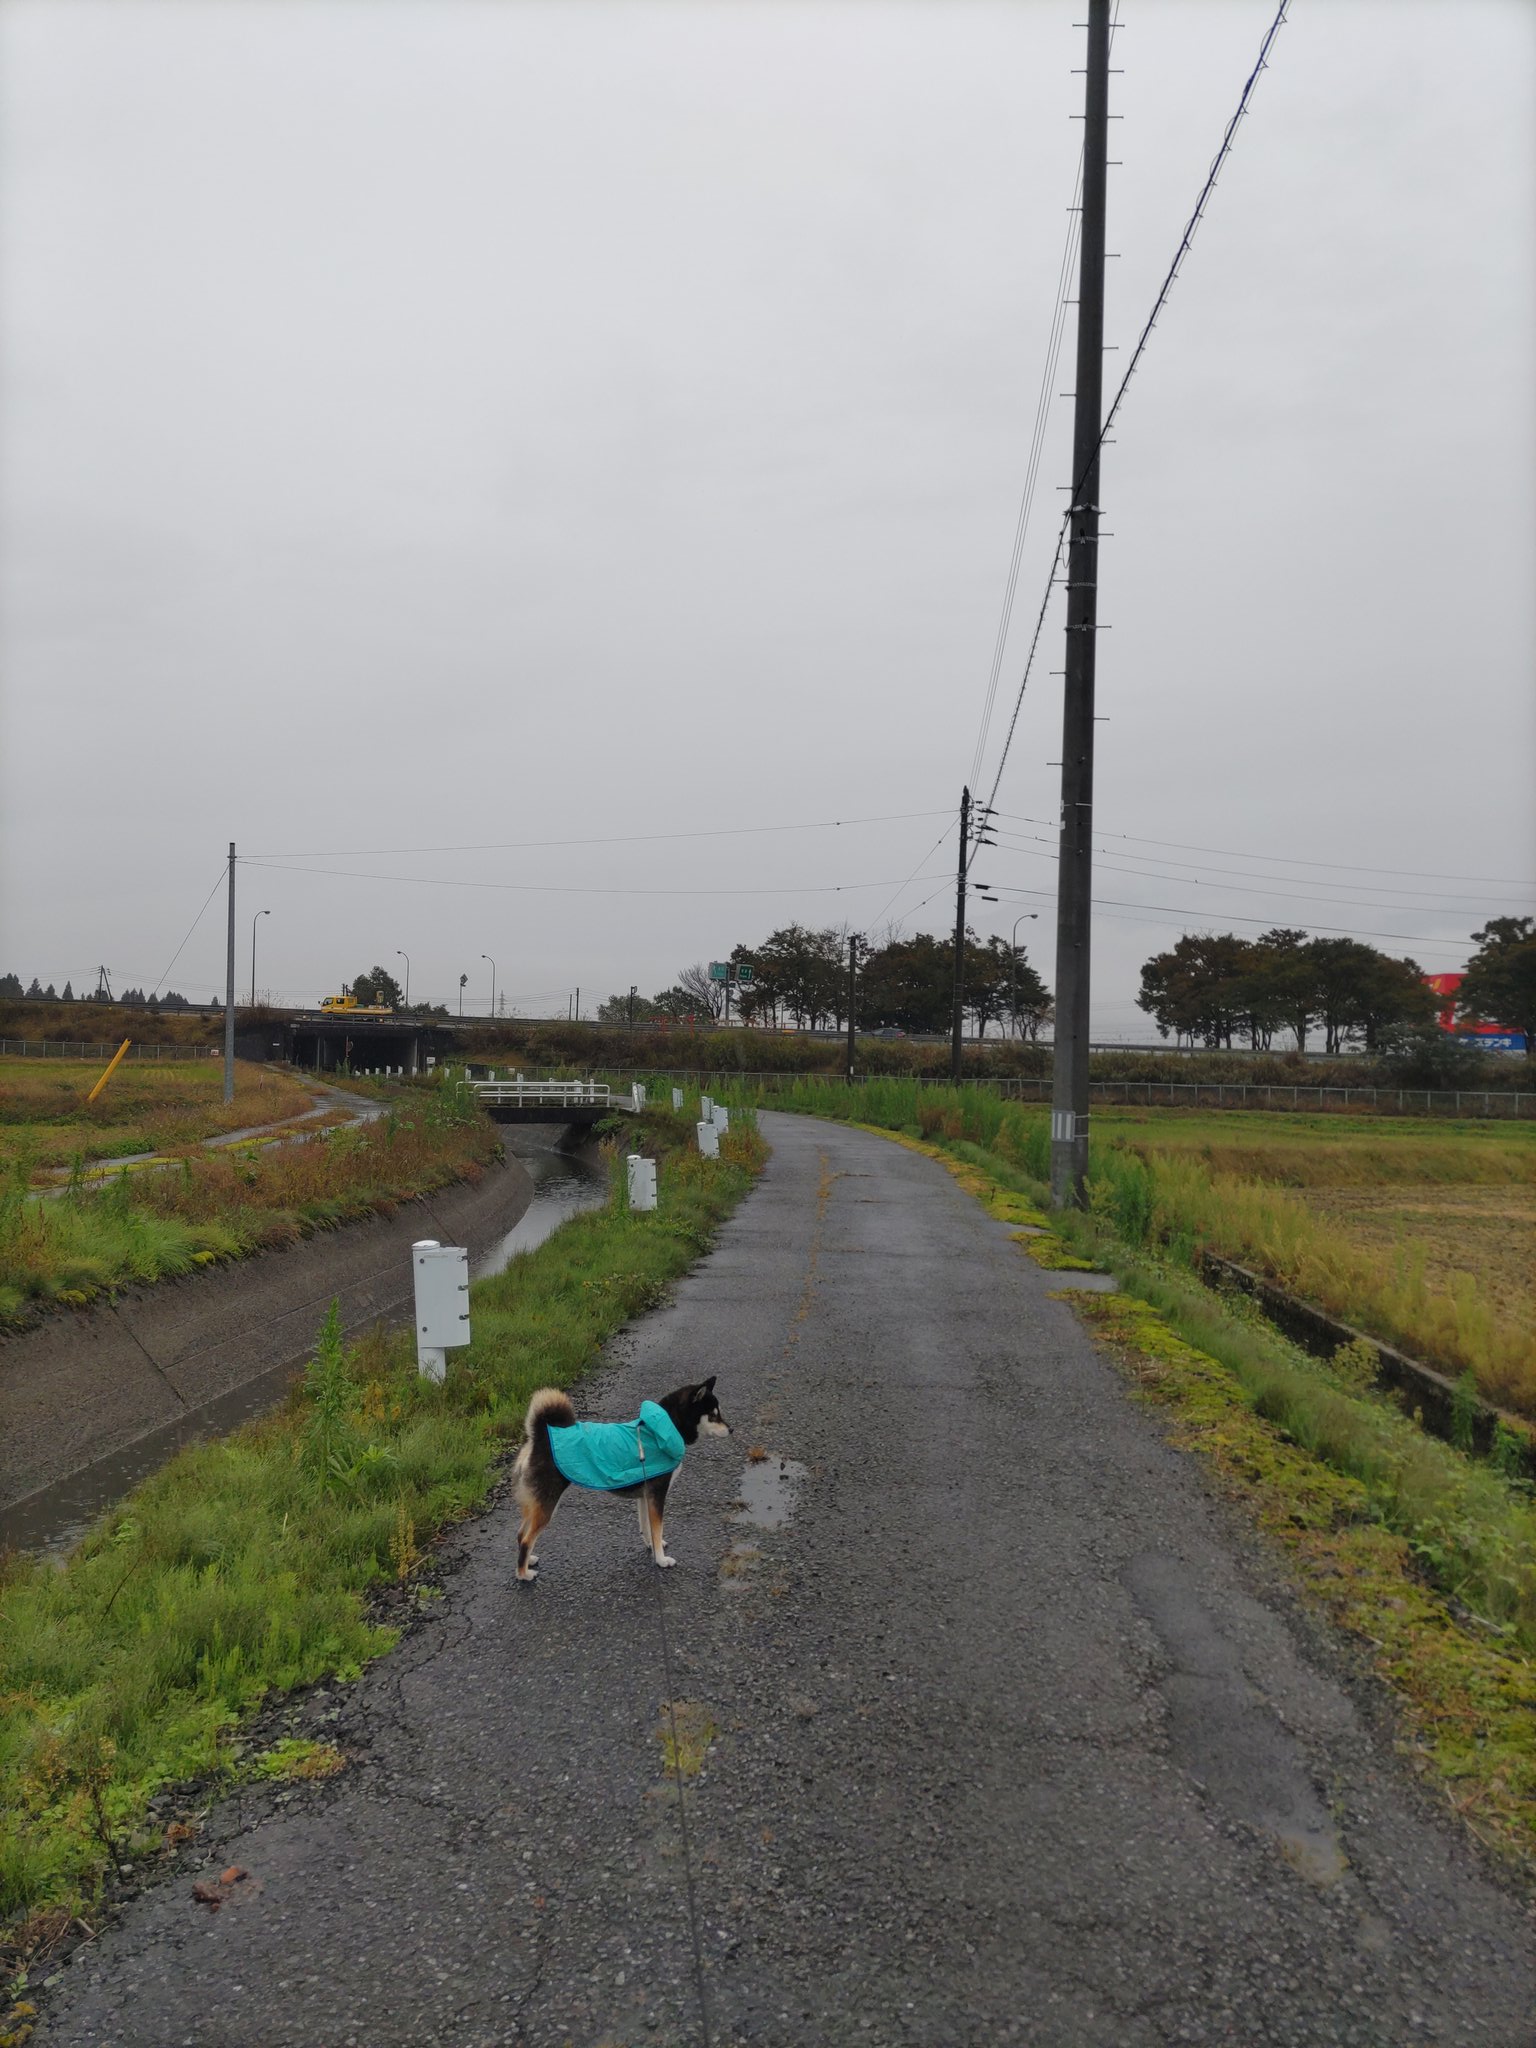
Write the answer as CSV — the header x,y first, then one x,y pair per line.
x,y
637,1458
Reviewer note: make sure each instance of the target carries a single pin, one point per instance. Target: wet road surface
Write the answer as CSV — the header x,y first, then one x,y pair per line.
x,y
996,1726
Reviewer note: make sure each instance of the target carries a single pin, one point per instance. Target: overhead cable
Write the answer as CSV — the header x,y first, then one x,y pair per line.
x,y
1337,930
615,839
1287,859
191,928
571,888
1136,355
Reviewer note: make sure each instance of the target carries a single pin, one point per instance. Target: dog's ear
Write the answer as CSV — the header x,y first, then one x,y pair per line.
x,y
707,1386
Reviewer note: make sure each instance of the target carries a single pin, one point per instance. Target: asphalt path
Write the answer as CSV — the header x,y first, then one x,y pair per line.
x,y
995,1724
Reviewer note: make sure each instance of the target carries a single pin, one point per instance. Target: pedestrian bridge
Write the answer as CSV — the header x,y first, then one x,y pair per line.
x,y
549,1102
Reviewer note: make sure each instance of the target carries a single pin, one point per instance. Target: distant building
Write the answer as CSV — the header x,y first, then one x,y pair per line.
x,y
1492,1037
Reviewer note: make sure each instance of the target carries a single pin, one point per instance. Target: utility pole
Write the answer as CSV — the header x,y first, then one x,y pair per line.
x,y
958,1008
229,987
853,971
1069,1075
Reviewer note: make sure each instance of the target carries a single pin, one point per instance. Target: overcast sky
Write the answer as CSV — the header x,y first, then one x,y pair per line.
x,y
428,425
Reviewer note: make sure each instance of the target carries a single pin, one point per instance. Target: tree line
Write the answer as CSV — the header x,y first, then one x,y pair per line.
x,y
133,998
799,977
1216,989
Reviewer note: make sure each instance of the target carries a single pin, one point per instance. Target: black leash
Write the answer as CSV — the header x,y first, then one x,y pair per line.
x,y
677,1772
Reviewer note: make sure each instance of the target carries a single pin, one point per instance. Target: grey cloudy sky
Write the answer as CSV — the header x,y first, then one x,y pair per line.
x,y
430,424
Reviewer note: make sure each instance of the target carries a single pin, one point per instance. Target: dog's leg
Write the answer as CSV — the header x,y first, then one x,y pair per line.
x,y
653,1512
535,1517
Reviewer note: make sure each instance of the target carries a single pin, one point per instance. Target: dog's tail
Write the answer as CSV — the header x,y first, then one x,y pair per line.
x,y
547,1409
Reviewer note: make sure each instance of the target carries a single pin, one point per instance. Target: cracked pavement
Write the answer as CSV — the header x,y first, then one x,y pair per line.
x,y
1005,1727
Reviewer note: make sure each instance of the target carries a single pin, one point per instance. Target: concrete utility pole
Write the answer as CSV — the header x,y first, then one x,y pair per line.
x,y
1069,1078
853,972
956,1054
229,988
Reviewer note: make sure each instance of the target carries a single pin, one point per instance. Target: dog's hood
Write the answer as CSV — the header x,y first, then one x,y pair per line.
x,y
611,1455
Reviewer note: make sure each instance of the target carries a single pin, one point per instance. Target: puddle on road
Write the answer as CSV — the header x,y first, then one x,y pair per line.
x,y
767,1493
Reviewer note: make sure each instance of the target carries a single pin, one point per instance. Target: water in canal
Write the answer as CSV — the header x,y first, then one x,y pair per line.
x,y
55,1518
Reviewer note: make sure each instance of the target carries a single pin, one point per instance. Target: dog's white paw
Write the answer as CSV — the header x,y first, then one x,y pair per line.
x,y
526,1578
665,1562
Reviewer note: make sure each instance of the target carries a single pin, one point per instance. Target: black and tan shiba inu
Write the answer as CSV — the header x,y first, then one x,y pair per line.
x,y
637,1457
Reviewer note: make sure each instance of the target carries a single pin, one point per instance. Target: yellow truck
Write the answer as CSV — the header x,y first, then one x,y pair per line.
x,y
346,1005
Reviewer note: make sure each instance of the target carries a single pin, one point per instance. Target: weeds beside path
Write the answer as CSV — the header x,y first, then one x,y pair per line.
x,y
244,1566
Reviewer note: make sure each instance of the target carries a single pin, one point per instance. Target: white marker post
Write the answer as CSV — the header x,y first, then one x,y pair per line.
x,y
709,1141
706,1109
642,1181
721,1118
637,1093
677,1101
441,1273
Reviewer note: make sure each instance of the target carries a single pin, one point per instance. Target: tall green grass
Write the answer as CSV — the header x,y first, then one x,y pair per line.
x,y
244,1566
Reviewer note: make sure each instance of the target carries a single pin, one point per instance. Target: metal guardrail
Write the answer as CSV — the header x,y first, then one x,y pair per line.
x,y
1453,1102
68,1049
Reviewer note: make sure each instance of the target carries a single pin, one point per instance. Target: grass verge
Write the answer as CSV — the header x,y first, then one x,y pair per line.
x,y
1426,1556
245,1567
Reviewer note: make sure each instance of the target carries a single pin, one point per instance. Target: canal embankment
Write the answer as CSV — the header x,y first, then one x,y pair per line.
x,y
93,1400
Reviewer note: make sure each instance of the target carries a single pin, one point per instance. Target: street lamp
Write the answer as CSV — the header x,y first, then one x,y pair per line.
x,y
259,914
633,989
402,954
1013,961
486,956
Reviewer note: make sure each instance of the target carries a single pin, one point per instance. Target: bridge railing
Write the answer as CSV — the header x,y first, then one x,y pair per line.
x,y
538,1094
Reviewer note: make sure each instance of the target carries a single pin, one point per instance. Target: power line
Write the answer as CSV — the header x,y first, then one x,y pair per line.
x,y
1036,448
1338,930
1287,859
1032,467
191,928
1139,350
876,922
571,888
616,839
1010,844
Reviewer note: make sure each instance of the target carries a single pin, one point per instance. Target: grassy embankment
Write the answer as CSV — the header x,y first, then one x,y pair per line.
x,y
1428,1556
245,1566
161,1106
228,1203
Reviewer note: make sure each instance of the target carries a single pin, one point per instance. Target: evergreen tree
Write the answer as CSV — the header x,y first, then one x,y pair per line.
x,y
1499,986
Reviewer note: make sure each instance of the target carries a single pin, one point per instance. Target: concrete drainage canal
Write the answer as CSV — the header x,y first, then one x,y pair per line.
x,y
44,1391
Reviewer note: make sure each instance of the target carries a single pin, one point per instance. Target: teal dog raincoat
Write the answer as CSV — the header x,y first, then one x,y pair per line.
x,y
606,1455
